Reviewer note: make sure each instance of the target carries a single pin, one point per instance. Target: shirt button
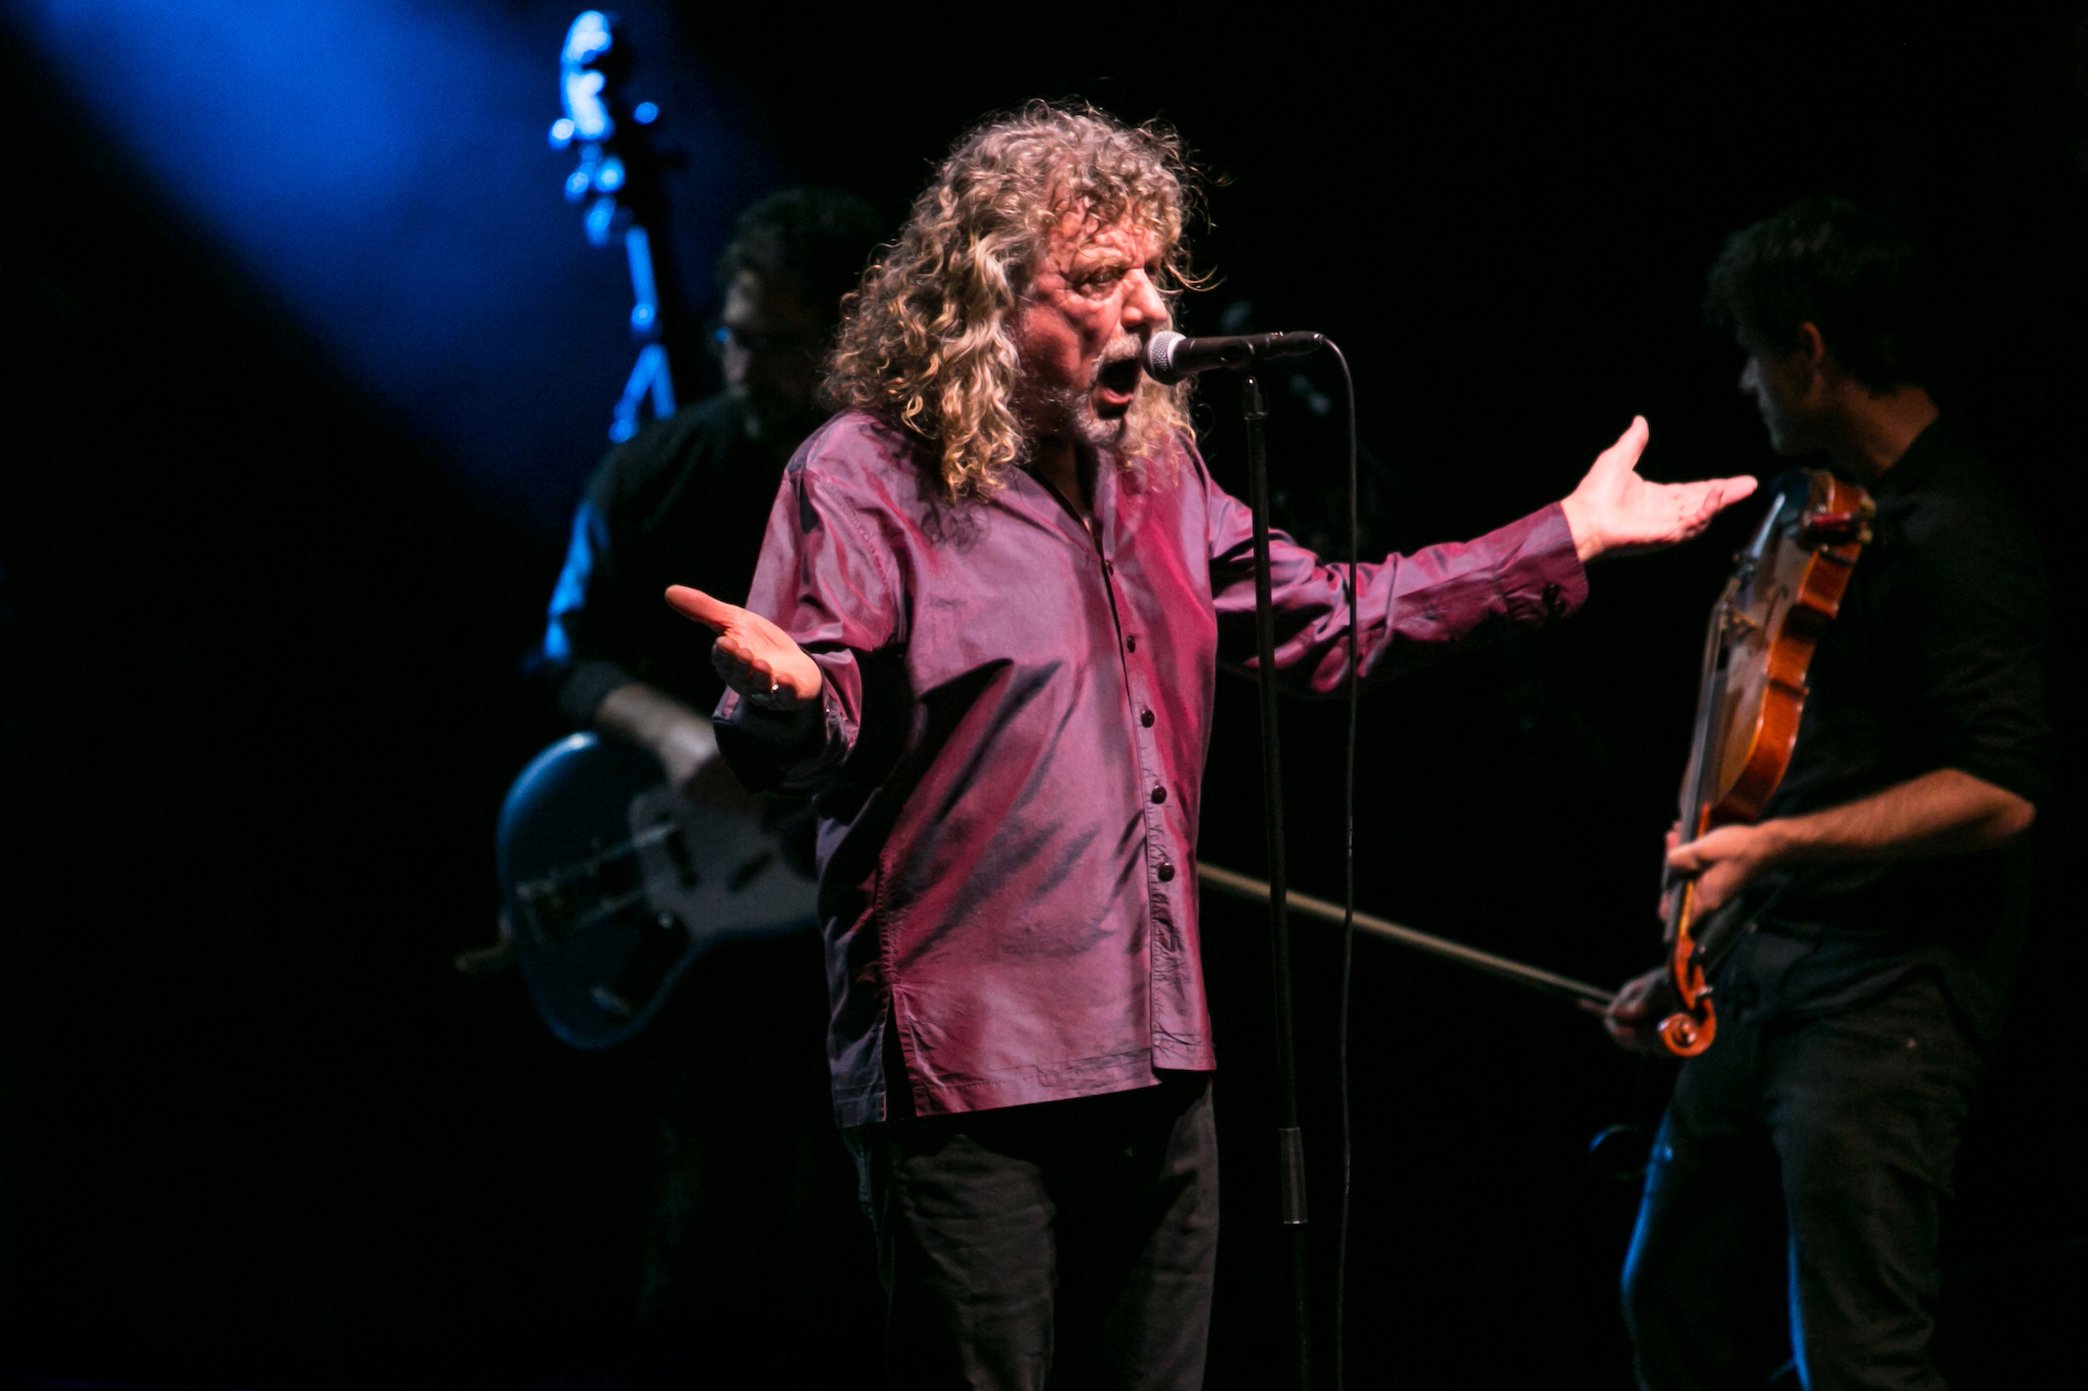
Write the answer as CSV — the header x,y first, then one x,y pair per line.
x,y
1159,795
1108,569
1166,870
1145,717
1131,644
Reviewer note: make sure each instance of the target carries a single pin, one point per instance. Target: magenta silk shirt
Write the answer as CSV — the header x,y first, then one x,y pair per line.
x,y
1010,759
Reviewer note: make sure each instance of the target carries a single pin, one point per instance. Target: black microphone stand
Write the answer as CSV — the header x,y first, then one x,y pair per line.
x,y
1290,1147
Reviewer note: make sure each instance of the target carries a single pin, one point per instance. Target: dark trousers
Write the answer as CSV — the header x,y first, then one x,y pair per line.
x,y
1815,1155
1069,1244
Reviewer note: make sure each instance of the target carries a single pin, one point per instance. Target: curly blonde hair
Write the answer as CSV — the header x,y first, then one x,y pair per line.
x,y
928,341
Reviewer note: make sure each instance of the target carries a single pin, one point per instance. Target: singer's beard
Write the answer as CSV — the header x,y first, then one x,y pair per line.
x,y
1130,433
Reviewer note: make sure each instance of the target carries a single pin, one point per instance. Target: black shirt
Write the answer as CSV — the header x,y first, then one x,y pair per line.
x,y
685,501
1934,661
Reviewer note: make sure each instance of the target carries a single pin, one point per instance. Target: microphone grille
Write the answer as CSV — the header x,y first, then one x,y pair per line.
x,y
1158,355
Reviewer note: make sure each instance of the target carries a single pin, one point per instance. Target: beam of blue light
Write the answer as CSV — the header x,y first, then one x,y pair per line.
x,y
382,165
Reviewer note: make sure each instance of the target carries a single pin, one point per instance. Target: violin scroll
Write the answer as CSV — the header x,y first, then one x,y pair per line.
x,y
1686,1034
1688,1030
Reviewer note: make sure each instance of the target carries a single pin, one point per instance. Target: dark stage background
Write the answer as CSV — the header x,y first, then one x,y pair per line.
x,y
309,360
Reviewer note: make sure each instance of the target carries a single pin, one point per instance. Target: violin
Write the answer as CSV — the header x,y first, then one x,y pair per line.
x,y
1786,586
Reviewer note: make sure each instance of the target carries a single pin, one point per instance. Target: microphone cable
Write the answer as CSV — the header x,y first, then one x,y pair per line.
x,y
1348,895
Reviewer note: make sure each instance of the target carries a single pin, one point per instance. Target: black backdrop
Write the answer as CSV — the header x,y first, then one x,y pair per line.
x,y
258,642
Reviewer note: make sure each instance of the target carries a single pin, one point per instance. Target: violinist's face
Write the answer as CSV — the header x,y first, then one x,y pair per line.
x,y
1783,387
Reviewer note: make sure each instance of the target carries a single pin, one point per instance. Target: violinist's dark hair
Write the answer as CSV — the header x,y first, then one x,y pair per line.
x,y
1848,270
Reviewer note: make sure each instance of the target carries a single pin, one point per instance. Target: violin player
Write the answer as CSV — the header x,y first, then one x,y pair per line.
x,y
1884,886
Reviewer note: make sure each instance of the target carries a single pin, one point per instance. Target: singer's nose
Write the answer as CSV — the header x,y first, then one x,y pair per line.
x,y
1144,305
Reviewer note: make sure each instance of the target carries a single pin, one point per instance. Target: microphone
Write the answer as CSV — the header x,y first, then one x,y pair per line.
x,y
1168,356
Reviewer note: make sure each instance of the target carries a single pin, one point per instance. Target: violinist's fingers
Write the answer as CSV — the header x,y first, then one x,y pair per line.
x,y
1636,1038
1722,861
1669,881
1631,1018
1633,999
1627,1015
1687,858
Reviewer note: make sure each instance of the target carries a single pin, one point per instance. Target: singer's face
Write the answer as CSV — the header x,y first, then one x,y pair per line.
x,y
1094,299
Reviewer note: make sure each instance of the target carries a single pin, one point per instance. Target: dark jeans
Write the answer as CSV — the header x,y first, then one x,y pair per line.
x,y
1816,1154
1068,1244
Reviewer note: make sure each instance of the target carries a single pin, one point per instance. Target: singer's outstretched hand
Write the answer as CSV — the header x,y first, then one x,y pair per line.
x,y
755,657
1616,512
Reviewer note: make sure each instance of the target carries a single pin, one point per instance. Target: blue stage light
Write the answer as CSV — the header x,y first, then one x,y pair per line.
x,y
380,166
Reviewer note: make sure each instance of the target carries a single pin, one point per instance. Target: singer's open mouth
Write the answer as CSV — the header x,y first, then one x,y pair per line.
x,y
1117,380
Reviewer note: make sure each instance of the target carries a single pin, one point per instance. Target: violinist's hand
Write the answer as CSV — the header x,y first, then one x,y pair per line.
x,y
755,657
1670,885
1616,512
1633,1017
1723,861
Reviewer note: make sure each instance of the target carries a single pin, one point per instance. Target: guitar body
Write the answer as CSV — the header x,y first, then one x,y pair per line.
x,y
613,886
